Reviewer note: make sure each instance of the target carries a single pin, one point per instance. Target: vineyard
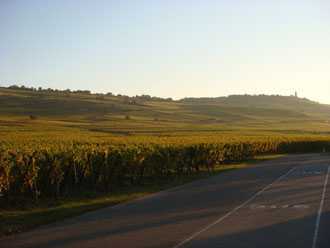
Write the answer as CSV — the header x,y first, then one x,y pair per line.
x,y
36,169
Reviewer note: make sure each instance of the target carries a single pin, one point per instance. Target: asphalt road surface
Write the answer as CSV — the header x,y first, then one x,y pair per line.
x,y
283,202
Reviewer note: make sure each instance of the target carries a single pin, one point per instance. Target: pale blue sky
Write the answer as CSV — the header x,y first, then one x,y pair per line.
x,y
168,48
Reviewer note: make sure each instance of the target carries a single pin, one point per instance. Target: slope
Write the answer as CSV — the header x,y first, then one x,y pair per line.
x,y
23,110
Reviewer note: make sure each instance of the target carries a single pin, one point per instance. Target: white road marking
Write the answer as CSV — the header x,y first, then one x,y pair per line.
x,y
301,206
320,210
279,206
304,173
257,206
233,211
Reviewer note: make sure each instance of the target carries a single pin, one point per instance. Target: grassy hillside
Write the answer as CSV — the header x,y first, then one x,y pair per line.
x,y
64,153
264,101
27,112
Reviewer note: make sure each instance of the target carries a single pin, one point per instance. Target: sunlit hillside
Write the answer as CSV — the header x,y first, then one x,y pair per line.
x,y
25,111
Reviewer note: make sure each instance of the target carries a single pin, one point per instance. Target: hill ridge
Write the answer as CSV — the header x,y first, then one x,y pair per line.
x,y
33,109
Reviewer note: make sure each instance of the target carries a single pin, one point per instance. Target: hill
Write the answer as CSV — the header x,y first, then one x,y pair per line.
x,y
265,101
37,112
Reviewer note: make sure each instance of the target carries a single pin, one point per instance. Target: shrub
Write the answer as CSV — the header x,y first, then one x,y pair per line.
x,y
33,117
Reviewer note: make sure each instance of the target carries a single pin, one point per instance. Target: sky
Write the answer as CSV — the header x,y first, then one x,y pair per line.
x,y
168,48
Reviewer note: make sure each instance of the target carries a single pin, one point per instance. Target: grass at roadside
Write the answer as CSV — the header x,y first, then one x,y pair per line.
x,y
17,220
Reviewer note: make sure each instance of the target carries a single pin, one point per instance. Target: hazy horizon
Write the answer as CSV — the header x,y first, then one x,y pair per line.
x,y
167,49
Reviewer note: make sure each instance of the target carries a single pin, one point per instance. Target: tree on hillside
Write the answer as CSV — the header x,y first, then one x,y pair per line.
x,y
33,117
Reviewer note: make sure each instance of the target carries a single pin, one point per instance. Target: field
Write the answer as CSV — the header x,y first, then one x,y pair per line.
x,y
26,113
57,146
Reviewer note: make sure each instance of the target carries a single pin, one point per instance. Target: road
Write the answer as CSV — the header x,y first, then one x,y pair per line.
x,y
283,202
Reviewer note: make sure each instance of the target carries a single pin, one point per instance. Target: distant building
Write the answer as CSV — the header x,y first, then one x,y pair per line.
x,y
296,94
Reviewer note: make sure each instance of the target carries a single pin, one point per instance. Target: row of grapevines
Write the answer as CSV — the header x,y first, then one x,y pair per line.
x,y
47,168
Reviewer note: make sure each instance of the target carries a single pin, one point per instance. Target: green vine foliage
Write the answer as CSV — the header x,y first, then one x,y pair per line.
x,y
36,169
